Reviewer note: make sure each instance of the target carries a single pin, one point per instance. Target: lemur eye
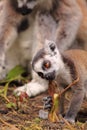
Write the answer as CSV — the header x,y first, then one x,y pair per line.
x,y
46,64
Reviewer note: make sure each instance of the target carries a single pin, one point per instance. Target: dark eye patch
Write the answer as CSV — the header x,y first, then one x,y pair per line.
x,y
41,74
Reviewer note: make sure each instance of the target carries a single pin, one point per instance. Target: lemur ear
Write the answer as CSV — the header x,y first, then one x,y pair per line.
x,y
49,46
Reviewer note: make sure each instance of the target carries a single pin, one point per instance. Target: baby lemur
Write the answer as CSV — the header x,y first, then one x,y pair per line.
x,y
25,24
50,64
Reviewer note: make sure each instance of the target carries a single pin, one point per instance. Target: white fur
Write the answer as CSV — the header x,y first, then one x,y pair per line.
x,y
20,3
31,4
36,86
38,66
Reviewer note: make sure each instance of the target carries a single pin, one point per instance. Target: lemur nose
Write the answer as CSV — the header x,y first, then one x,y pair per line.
x,y
50,76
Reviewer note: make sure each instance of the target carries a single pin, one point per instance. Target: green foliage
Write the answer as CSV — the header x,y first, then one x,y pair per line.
x,y
37,120
11,105
14,74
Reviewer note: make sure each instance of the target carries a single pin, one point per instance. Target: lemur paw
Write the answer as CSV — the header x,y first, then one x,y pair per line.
x,y
31,89
20,90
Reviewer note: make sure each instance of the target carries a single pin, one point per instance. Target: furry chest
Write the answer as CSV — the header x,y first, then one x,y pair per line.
x,y
46,26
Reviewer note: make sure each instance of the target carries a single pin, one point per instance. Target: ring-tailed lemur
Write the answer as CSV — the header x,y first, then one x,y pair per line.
x,y
50,64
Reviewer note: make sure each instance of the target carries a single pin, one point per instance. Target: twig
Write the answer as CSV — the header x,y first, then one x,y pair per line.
x,y
68,124
55,104
8,102
69,86
9,125
5,98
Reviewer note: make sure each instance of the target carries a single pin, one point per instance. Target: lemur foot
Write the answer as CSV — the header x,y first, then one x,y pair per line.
x,y
69,119
47,102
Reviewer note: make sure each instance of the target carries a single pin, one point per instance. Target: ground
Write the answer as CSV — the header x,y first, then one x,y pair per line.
x,y
23,114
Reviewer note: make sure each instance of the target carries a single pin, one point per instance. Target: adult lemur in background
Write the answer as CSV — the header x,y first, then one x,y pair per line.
x,y
25,24
49,64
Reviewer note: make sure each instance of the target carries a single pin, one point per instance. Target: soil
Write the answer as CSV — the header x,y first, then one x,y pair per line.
x,y
22,113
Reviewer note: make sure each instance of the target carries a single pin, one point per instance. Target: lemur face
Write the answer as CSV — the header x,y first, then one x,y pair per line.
x,y
47,62
24,6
